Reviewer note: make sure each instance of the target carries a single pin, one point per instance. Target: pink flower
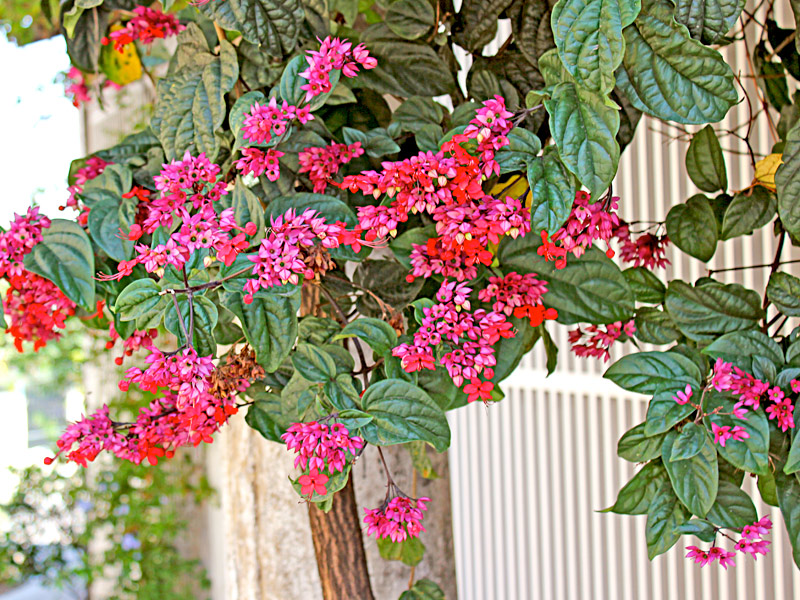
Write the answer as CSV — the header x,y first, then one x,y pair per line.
x,y
725,432
146,26
782,411
684,396
323,163
596,340
648,250
314,481
321,447
398,519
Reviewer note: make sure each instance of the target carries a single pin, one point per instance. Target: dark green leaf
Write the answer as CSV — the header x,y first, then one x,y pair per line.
x,y
590,289
647,288
704,161
783,291
83,42
584,129
550,349
269,324
699,528
588,34
204,320
246,208
793,460
654,326
741,347
689,441
732,508
652,372
64,256
665,515
667,74
265,417
387,280
663,413
423,589
402,413
707,311
272,25
417,111
553,193
477,23
636,497
140,301
403,245
750,454
787,180
695,479
692,227
380,336
708,20
314,364
106,219
111,184
344,395
522,149
635,446
748,211
410,19
788,491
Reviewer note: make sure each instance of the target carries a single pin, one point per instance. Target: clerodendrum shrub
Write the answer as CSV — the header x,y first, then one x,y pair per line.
x,y
331,161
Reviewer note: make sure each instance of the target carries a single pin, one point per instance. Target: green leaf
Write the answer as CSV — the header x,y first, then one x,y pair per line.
x,y
663,413
647,288
751,454
787,180
732,508
692,227
111,184
588,35
140,301
402,413
793,460
688,442
265,416
705,163
705,312
387,280
708,20
403,244
191,101
380,336
246,208
477,23
694,479
748,211
269,324
410,19
273,25
635,446
699,528
409,551
329,207
654,326
64,256
314,364
590,289
291,85
652,372
417,111
668,75
783,290
584,129
741,347
205,319
788,491
553,193
423,589
636,497
523,147
336,482
550,349
106,219
665,516
241,108
83,41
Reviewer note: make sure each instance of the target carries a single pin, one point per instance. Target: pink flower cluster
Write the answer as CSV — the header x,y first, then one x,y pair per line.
x,y
323,163
468,336
322,449
147,26
23,234
255,162
446,185
94,166
750,393
183,372
489,129
137,340
279,258
751,542
596,340
398,519
333,54
726,432
587,223
266,120
513,293
648,250
75,88
189,188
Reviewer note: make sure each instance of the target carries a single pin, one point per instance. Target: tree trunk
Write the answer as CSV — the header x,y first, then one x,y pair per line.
x,y
341,560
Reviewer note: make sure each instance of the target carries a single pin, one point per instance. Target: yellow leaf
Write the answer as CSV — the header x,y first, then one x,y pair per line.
x,y
120,67
765,170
